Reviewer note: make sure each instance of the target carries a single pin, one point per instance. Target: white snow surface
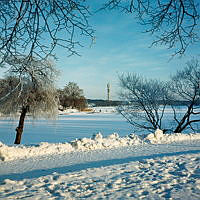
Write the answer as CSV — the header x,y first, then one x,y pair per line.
x,y
156,166
160,138
99,109
8,153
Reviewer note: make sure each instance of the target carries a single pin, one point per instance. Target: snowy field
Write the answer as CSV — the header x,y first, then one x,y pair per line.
x,y
65,127
103,166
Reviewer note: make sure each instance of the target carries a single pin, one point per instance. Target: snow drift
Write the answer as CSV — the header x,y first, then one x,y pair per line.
x,y
8,153
98,142
160,138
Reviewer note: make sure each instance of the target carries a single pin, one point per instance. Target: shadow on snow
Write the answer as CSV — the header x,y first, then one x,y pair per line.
x,y
87,165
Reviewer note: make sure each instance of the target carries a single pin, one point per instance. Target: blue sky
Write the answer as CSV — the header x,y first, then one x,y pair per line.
x,y
120,47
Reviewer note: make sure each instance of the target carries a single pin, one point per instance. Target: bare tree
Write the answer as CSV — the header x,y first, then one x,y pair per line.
x,y
185,86
36,27
175,23
30,30
72,96
28,88
144,101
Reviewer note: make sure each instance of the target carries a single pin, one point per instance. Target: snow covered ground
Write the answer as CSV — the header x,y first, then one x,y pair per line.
x,y
142,172
65,128
153,166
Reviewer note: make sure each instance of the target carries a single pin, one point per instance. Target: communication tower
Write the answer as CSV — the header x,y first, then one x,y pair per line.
x,y
108,91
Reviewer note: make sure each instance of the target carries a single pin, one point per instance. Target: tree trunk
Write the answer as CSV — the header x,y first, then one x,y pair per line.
x,y
184,123
20,127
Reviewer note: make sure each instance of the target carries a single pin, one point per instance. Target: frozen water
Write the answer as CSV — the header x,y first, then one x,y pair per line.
x,y
65,128
97,166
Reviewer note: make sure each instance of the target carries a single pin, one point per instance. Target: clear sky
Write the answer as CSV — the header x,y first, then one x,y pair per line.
x,y
120,47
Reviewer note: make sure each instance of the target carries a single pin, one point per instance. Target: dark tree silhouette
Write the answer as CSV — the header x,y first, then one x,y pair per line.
x,y
144,101
175,23
36,27
185,85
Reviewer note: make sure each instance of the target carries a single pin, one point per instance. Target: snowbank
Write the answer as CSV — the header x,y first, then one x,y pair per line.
x,y
8,153
16,152
98,142
160,138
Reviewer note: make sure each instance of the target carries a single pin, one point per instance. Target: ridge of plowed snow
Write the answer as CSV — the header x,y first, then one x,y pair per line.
x,y
8,153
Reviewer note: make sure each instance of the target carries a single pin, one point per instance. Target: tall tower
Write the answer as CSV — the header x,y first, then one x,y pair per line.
x,y
108,91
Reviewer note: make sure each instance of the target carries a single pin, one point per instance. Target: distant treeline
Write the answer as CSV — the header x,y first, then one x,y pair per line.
x,y
181,103
101,102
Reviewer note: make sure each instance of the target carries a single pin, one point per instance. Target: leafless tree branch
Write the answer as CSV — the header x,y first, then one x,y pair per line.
x,y
145,101
186,86
37,27
175,23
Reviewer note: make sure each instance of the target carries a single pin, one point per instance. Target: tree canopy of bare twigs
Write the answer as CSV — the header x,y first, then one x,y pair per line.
x,y
175,23
28,88
29,82
145,101
185,86
35,27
